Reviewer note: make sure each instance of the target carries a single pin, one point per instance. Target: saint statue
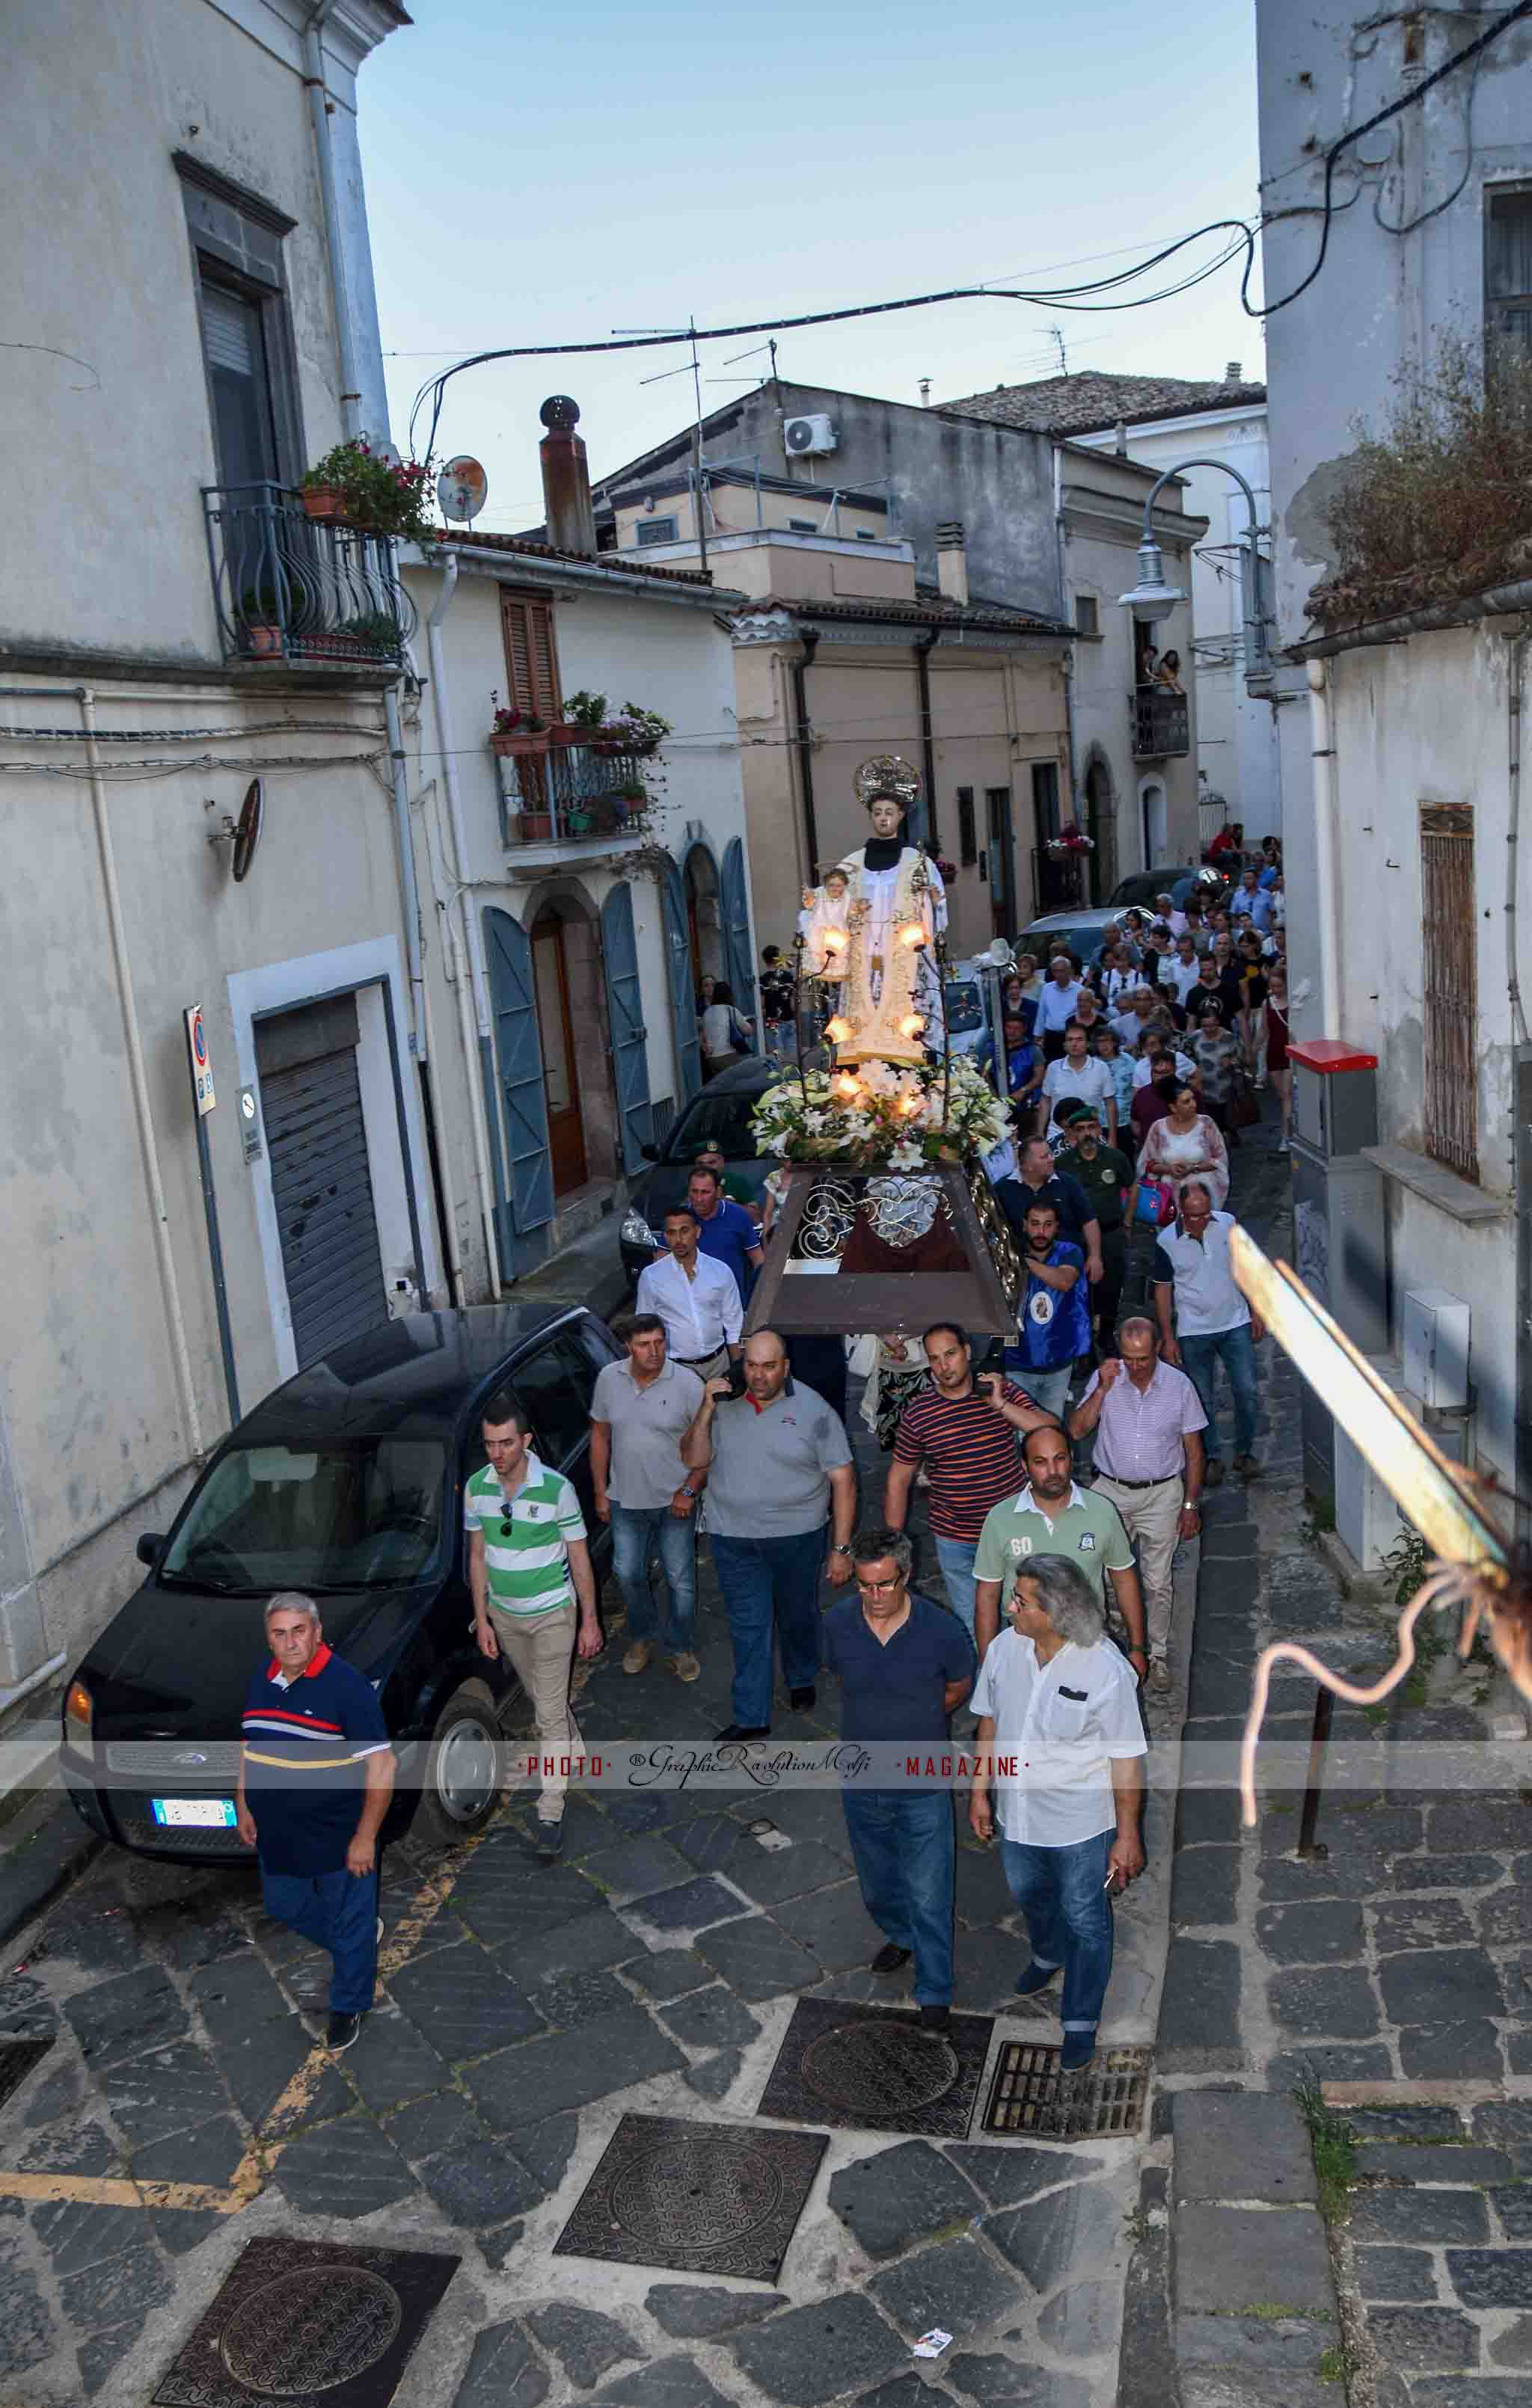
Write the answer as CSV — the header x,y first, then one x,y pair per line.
x,y
890,1003
821,924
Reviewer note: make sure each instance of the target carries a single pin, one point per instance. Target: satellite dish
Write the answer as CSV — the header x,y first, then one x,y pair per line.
x,y
462,489
247,833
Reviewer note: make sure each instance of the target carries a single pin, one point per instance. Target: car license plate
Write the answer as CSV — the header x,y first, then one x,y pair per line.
x,y
203,1813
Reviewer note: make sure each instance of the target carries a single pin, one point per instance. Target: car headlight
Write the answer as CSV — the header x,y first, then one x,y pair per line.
x,y
79,1709
637,1232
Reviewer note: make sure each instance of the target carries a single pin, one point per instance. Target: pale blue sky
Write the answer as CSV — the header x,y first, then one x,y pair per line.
x,y
543,178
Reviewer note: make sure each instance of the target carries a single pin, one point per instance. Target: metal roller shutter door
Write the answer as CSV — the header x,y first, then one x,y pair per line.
x,y
323,1192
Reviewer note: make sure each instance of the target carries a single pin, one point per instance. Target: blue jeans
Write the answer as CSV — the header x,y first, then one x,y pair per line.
x,y
767,1580
956,1559
632,1527
339,1911
1061,1892
1048,1390
1235,1349
902,1841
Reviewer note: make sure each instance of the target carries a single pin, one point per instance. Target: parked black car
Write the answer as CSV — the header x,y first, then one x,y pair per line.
x,y
719,1115
346,1482
1143,887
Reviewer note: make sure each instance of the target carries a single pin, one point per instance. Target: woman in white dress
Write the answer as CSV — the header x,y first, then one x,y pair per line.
x,y
1186,1144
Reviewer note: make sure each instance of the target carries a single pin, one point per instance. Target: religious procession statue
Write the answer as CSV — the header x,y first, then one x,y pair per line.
x,y
870,930
883,1193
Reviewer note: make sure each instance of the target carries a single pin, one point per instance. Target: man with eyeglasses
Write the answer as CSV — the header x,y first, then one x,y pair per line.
x,y
904,1665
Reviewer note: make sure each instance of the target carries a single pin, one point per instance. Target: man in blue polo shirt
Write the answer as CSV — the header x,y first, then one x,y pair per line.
x,y
903,1664
728,1233
315,1779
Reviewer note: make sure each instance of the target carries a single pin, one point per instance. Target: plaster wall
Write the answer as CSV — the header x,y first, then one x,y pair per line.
x,y
99,266
88,1381
1427,722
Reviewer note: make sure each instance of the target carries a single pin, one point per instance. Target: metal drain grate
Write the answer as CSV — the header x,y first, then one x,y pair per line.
x,y
877,2069
302,2321
698,2199
16,2059
1030,2094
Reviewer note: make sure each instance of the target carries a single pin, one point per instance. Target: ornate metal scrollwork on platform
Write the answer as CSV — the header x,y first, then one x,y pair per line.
x,y
997,1236
827,1221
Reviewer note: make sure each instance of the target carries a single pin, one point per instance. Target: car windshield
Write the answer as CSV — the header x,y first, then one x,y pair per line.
x,y
723,1121
964,1006
331,1514
1045,942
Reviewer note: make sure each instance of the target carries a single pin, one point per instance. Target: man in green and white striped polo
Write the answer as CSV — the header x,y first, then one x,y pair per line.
x,y
528,1561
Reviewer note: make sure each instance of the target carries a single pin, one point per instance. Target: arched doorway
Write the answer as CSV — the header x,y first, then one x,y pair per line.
x,y
704,924
1101,828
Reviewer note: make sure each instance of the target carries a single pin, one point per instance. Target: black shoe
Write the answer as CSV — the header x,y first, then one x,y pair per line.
x,y
732,1731
1036,1978
889,1958
550,1839
801,1700
935,2018
341,2032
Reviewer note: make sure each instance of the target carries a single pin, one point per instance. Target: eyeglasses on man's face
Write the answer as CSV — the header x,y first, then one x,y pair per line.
x,y
878,1588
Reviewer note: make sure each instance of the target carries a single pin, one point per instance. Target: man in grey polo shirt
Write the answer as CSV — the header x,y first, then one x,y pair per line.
x,y
639,1415
779,1463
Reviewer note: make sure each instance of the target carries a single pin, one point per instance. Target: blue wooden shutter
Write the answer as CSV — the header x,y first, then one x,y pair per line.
x,y
524,1100
689,1056
624,1019
738,952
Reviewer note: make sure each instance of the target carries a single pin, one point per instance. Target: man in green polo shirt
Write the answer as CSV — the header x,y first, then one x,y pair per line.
x,y
528,1561
1052,1517
1110,1182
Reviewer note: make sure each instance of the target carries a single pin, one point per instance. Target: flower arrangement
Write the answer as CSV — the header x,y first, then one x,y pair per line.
x,y
880,1117
948,869
386,496
1069,839
509,721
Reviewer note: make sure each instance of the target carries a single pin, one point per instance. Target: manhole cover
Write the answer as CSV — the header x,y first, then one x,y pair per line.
x,y
1030,2094
307,2332
877,2069
701,2199
16,2059
309,2320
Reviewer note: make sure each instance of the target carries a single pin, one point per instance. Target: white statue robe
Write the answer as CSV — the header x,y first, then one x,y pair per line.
x,y
886,978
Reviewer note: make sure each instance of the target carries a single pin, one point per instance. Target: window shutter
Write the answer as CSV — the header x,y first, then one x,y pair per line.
x,y
531,661
227,331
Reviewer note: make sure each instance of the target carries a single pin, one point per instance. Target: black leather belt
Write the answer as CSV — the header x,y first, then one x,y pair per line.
x,y
1160,1482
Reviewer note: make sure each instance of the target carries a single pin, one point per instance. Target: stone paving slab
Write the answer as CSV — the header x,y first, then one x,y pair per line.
x,y
1231,2260
1247,2147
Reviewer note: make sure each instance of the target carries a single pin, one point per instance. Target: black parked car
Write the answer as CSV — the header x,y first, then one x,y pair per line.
x,y
1143,887
346,1482
720,1116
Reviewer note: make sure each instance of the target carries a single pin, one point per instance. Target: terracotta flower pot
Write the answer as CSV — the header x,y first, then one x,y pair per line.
x,y
264,642
536,826
323,501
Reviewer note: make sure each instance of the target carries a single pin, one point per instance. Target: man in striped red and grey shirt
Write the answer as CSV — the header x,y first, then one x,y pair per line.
x,y
966,1432
315,1779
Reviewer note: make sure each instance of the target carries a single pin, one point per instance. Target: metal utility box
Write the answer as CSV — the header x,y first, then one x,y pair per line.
x,y
1335,1095
1339,1244
1436,1331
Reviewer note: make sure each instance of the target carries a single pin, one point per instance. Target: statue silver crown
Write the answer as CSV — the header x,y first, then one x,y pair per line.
x,y
887,774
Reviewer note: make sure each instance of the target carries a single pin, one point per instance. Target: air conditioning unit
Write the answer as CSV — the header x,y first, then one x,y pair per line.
x,y
803,436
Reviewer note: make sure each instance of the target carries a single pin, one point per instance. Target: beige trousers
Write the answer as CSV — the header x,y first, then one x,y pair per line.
x,y
540,1653
1151,1517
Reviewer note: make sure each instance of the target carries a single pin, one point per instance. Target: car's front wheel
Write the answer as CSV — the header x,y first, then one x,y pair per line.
x,y
464,1771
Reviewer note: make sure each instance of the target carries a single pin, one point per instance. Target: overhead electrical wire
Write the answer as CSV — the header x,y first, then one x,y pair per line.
x,y
1077,297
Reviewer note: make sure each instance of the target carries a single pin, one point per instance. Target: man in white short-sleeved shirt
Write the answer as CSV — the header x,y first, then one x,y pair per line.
x,y
1079,1077
1058,1740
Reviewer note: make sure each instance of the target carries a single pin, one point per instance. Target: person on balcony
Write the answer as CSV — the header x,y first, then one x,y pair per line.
x,y
1169,675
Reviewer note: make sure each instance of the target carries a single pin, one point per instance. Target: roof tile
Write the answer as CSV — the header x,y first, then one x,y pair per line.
x,y
1080,405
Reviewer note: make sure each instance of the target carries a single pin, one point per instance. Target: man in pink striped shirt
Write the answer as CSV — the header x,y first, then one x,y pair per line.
x,y
1148,1421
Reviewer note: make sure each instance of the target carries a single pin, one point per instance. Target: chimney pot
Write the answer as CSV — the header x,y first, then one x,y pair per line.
x,y
1121,439
1233,372
952,561
566,479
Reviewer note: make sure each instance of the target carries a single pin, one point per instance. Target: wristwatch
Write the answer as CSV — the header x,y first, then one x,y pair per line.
x,y
842,1550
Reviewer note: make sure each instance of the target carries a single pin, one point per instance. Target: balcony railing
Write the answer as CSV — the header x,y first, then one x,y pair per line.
x,y
553,792
1160,724
1058,880
291,588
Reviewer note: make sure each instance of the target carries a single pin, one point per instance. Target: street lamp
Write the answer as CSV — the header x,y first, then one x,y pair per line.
x,y
1152,598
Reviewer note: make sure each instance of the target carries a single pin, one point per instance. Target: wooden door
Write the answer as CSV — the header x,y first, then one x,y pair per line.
x,y
566,1129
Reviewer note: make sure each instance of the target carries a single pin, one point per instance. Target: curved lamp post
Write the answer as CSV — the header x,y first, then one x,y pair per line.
x,y
1153,598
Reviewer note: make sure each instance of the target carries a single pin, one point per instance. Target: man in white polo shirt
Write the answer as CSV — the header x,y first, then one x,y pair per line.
x,y
1148,1421
697,1297
1056,1005
1213,1322
528,1561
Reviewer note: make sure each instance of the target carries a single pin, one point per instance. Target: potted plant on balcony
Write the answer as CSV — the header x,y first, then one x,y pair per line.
x,y
635,730
516,732
358,485
584,714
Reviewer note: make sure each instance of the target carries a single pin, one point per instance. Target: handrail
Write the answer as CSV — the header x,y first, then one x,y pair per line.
x,y
290,587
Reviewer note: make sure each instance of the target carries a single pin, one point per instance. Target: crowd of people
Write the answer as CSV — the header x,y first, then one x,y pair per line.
x,y
1059,1477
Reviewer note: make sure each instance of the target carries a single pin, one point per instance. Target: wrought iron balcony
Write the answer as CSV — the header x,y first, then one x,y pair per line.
x,y
288,587
1160,724
553,792
1059,880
